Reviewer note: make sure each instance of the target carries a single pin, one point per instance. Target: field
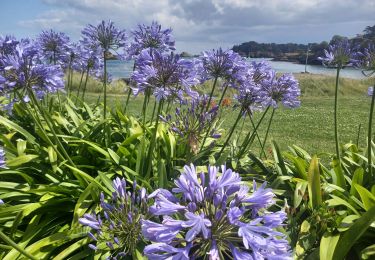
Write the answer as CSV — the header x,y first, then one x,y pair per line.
x,y
310,126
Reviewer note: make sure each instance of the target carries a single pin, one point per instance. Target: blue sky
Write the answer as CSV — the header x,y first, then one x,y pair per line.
x,y
197,24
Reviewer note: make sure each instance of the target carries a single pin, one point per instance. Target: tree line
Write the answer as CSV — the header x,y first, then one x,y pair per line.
x,y
297,52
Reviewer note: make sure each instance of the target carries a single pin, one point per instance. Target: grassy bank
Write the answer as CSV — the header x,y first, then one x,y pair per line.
x,y
310,126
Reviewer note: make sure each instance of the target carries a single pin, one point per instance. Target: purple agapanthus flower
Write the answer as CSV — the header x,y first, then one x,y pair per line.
x,y
3,164
163,75
22,70
224,64
105,35
284,89
221,218
8,44
117,226
339,54
90,60
167,251
53,47
370,91
189,124
152,37
366,60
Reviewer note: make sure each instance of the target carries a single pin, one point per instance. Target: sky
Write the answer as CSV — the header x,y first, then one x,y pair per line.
x,y
197,24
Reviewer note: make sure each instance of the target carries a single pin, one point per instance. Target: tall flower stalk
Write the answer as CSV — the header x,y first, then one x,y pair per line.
x,y
367,64
107,37
338,55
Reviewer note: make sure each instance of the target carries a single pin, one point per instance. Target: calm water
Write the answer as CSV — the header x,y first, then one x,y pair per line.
x,y
123,69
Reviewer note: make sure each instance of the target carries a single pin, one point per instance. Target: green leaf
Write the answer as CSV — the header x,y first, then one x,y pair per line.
x,y
347,222
367,198
21,160
299,192
14,126
357,179
315,195
336,201
327,245
350,237
368,252
339,179
73,115
21,147
114,156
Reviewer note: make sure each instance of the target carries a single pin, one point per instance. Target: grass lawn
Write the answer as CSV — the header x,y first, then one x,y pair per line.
x,y
310,126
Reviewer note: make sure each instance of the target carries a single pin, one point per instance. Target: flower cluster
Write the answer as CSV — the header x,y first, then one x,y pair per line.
x,y
3,164
164,75
189,123
261,88
152,37
214,214
224,64
23,72
284,89
339,54
7,44
117,227
53,47
367,60
105,35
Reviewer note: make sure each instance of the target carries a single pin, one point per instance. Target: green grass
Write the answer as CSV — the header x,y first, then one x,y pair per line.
x,y
310,126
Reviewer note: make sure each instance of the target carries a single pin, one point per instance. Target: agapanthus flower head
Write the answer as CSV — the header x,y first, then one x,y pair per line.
x,y
214,215
3,164
339,54
190,124
150,36
224,64
367,60
116,228
284,89
260,70
164,75
8,44
370,91
53,46
23,71
105,35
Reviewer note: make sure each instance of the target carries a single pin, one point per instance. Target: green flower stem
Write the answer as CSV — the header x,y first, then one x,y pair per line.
x,y
105,86
222,95
241,129
335,114
106,126
266,136
250,135
50,125
231,132
153,141
369,136
205,109
153,111
254,127
145,103
127,99
79,86
84,86
40,125
210,125
10,242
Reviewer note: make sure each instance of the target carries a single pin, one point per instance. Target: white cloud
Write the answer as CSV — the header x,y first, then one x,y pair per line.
x,y
202,24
